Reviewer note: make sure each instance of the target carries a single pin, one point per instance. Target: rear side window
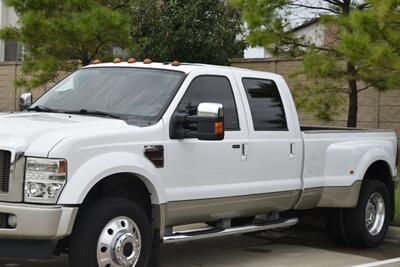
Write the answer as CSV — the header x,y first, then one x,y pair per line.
x,y
215,89
266,105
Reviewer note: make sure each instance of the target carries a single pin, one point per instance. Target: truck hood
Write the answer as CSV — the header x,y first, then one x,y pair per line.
x,y
37,133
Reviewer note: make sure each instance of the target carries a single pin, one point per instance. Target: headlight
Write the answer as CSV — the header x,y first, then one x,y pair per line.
x,y
44,179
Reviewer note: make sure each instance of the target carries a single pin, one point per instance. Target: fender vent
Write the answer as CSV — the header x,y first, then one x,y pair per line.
x,y
5,166
155,154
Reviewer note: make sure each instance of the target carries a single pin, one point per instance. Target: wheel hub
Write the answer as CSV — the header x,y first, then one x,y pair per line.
x,y
126,249
119,244
375,214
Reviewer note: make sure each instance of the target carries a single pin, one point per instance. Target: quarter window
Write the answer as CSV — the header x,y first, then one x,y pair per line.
x,y
214,89
266,105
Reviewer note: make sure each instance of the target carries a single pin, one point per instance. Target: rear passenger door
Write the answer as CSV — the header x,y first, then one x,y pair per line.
x,y
275,144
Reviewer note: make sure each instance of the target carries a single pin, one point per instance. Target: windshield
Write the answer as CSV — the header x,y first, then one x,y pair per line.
x,y
131,93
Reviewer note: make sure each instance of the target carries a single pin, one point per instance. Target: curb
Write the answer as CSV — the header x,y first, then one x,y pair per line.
x,y
393,234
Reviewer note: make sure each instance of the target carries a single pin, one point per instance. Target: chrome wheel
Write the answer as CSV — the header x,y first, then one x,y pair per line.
x,y
375,214
119,244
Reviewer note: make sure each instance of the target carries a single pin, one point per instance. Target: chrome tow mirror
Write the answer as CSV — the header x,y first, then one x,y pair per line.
x,y
25,100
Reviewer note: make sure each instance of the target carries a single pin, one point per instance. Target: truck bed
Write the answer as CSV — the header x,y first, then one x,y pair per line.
x,y
333,129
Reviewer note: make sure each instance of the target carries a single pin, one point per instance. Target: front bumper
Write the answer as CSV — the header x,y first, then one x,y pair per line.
x,y
38,221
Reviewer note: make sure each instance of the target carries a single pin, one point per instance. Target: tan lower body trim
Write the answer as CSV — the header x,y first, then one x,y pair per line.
x,y
330,197
203,210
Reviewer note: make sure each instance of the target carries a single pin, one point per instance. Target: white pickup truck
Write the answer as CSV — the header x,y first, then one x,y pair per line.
x,y
106,163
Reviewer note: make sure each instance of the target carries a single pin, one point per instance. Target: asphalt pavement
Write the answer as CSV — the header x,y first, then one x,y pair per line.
x,y
290,247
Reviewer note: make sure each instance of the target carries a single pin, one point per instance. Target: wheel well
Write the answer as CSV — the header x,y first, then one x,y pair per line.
x,y
380,170
122,185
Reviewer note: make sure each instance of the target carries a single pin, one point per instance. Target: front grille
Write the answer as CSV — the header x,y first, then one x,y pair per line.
x,y
5,165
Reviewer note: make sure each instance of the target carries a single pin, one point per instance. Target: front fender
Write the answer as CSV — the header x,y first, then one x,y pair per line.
x,y
101,166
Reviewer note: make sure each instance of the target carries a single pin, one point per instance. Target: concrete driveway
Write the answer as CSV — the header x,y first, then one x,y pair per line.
x,y
292,247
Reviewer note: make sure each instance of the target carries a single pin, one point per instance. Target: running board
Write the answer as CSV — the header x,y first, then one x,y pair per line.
x,y
199,234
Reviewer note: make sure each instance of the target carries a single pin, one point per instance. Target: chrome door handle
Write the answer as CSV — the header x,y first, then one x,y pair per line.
x,y
245,151
292,154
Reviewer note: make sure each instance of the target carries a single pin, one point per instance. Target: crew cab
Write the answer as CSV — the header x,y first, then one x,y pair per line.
x,y
109,161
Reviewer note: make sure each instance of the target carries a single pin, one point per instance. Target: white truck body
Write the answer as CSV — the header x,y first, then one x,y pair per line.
x,y
247,173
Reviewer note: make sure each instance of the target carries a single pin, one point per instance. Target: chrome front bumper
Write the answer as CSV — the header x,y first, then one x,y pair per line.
x,y
38,221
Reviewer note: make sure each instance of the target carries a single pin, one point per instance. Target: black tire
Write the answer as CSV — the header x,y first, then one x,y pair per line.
x,y
335,225
355,219
94,218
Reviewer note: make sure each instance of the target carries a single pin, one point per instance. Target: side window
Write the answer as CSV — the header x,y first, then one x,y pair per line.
x,y
215,89
266,105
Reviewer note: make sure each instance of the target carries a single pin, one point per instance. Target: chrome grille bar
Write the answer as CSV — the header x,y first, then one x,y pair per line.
x,y
5,171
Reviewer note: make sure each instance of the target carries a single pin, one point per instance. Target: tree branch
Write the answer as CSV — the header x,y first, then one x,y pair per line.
x,y
121,5
334,2
288,42
314,7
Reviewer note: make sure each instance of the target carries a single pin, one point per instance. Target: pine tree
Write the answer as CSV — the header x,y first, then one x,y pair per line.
x,y
342,69
60,35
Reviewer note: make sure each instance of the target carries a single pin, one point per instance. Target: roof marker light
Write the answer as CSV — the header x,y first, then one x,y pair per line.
x,y
117,60
132,60
147,61
175,63
96,61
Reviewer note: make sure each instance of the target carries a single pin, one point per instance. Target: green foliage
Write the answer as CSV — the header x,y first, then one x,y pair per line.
x,y
60,35
397,215
204,31
364,53
397,212
374,43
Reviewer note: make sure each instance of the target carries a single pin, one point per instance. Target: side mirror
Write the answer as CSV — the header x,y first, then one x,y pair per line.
x,y
208,124
25,100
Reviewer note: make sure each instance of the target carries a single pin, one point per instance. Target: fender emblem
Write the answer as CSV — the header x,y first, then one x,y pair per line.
x,y
155,154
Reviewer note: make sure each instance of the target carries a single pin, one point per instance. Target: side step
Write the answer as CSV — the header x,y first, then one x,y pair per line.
x,y
199,234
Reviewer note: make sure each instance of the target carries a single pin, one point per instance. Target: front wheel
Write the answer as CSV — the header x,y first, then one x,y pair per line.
x,y
111,232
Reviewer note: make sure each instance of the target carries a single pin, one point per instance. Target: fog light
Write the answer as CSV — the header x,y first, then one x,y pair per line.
x,y
53,189
12,221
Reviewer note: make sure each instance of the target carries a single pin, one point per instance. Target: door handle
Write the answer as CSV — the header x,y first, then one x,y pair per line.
x,y
292,154
245,151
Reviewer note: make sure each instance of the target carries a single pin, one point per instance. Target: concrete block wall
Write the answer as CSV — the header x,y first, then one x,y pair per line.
x,y
9,93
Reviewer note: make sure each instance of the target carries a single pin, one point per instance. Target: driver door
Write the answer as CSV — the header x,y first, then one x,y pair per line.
x,y
212,172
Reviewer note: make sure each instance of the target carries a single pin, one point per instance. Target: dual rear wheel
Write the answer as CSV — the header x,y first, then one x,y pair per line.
x,y
365,225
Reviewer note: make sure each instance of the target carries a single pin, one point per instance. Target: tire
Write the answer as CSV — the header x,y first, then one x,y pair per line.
x,y
335,226
111,219
375,193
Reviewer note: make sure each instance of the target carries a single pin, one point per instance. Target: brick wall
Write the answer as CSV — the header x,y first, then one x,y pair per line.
x,y
376,109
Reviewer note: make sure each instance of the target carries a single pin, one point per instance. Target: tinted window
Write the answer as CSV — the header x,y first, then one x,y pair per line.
x,y
215,89
266,105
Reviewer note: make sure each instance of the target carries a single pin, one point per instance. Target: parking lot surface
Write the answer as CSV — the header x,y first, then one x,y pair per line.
x,y
291,247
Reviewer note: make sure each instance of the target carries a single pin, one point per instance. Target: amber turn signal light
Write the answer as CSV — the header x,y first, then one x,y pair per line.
x,y
175,63
132,60
147,61
218,128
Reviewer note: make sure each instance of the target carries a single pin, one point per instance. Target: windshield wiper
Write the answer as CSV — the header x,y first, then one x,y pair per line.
x,y
40,108
95,112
